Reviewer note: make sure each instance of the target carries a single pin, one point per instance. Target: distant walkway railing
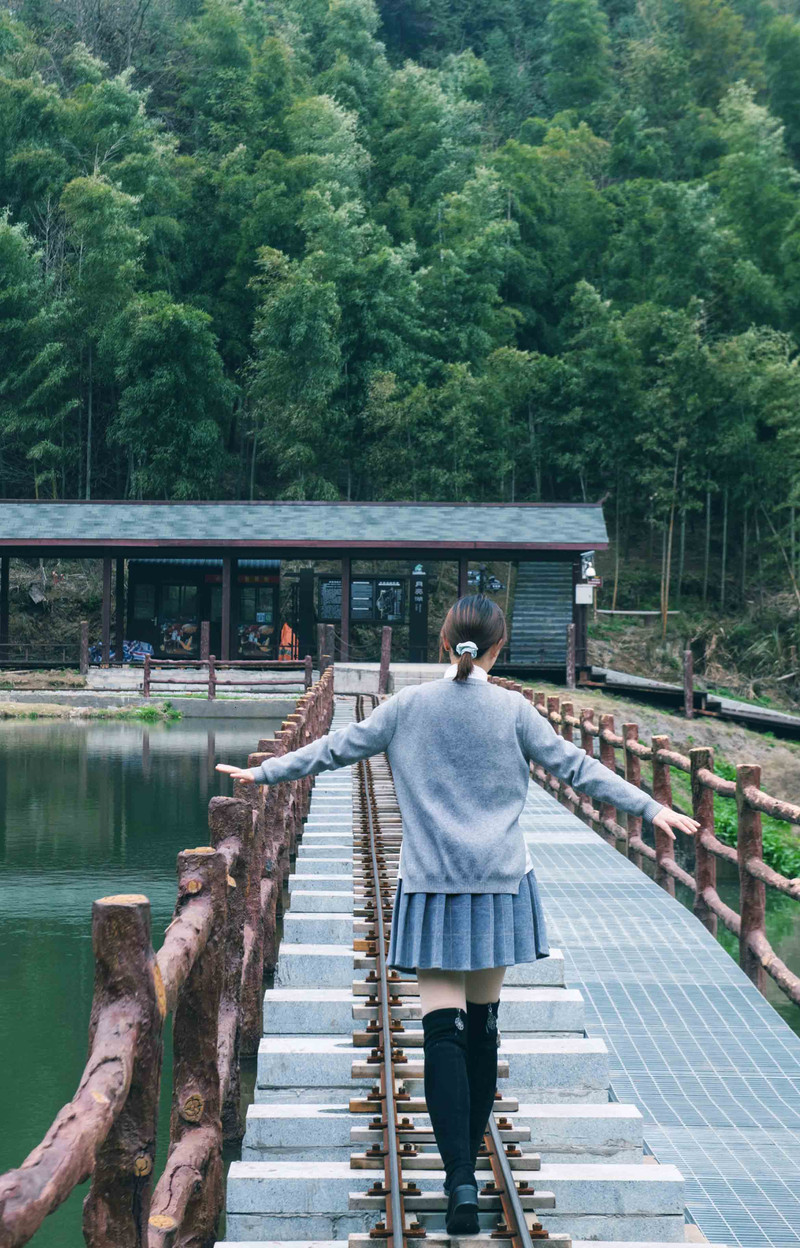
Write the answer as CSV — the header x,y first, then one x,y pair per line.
x,y
209,975
167,672
756,955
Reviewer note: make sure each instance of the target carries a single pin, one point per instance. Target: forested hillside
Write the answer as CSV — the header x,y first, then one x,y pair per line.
x,y
419,249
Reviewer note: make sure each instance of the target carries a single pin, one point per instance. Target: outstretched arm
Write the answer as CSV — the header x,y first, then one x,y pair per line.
x,y
542,744
338,749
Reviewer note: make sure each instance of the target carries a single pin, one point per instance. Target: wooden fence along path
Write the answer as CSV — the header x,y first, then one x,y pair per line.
x,y
756,955
209,975
167,672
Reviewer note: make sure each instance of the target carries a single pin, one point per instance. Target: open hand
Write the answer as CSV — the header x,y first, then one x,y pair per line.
x,y
667,819
236,773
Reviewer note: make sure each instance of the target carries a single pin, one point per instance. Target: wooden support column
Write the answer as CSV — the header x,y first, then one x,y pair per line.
x,y
84,652
5,564
688,685
386,658
570,672
345,625
106,613
225,643
120,612
463,575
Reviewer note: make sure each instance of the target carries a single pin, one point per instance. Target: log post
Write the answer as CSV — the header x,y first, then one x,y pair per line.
x,y
189,1196
205,639
212,678
554,710
608,757
567,711
662,792
705,863
146,677
386,658
587,724
253,796
633,774
752,892
570,673
84,652
688,685
308,672
127,986
232,832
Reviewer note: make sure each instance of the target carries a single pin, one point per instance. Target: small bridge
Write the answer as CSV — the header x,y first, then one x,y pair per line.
x,y
648,1091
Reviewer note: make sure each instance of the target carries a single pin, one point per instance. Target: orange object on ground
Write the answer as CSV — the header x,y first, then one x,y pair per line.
x,y
288,648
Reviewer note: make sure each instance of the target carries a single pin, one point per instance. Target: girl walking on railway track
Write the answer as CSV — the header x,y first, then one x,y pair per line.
x,y
467,903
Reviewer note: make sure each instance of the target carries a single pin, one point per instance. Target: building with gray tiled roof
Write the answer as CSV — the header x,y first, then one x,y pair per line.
x,y
172,587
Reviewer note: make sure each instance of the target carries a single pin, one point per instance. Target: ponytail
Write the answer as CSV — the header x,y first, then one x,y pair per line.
x,y
467,652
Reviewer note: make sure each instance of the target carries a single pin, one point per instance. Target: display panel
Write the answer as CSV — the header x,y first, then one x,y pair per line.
x,y
330,599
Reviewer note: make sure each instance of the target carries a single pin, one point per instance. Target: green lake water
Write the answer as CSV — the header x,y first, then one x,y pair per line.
x,y
86,809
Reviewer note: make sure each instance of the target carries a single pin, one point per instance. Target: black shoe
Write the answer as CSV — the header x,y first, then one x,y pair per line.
x,y
462,1210
447,1093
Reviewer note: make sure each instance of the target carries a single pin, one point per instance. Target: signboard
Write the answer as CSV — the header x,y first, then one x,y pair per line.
x,y
597,581
390,601
373,600
330,599
418,622
362,600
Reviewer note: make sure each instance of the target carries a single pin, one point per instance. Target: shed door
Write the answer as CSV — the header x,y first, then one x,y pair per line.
x,y
542,611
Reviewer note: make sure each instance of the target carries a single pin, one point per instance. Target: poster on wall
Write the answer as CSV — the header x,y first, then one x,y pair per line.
x,y
330,599
178,638
390,601
362,600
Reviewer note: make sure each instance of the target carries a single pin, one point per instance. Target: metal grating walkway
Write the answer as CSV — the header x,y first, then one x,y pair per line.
x,y
713,1068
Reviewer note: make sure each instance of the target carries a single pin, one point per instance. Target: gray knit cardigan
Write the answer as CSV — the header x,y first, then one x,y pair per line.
x,y
460,754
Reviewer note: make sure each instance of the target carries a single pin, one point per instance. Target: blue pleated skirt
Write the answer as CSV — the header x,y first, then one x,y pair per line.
x,y
467,931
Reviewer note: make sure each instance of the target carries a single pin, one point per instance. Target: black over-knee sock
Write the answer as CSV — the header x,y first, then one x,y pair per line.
x,y
483,1039
447,1090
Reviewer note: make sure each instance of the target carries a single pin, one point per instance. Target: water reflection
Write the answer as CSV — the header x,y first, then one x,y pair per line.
x,y
86,809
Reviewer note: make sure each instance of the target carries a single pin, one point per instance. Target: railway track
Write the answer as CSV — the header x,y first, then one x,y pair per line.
x,y
397,1146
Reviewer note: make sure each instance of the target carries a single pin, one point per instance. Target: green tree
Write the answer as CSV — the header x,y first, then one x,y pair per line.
x,y
578,54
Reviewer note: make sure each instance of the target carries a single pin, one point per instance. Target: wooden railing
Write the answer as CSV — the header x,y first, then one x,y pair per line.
x,y
40,654
208,973
167,672
756,955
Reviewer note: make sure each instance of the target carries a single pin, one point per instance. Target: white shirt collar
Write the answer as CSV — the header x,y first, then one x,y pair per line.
x,y
477,673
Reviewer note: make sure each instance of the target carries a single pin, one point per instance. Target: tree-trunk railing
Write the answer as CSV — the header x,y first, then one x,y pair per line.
x,y
213,666
208,974
756,955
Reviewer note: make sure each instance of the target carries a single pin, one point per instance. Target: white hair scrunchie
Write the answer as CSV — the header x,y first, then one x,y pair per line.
x,y
467,647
